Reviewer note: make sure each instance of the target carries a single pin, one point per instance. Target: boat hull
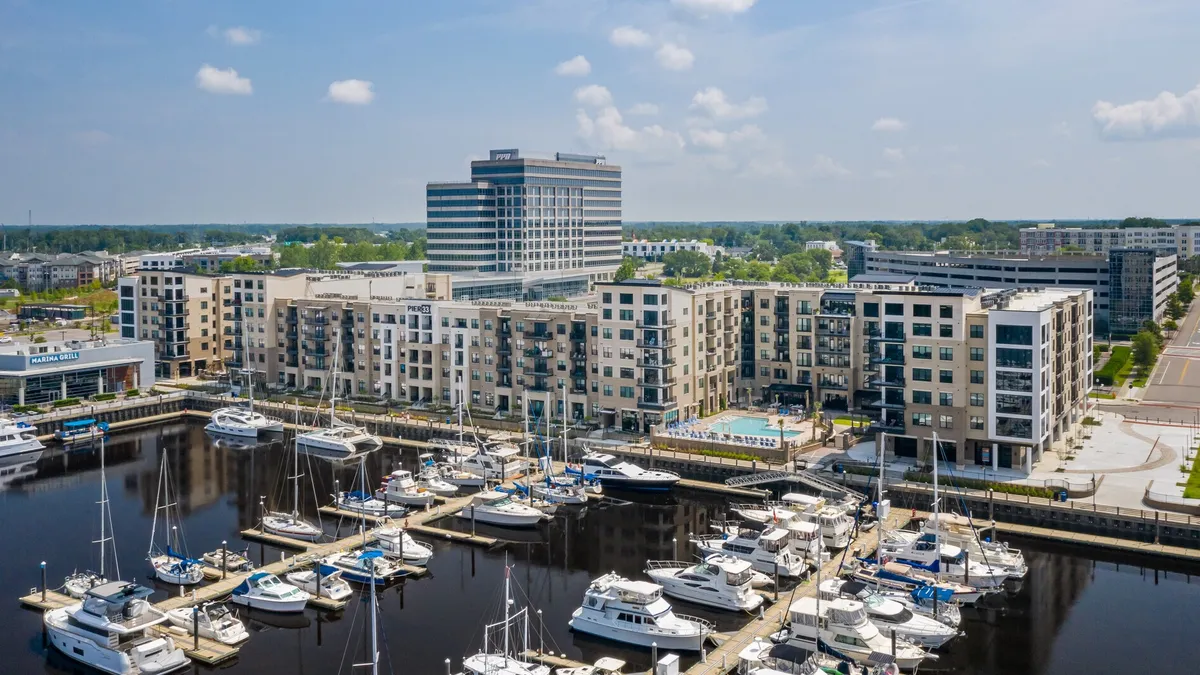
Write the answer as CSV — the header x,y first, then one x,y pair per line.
x,y
268,604
488,517
637,638
162,571
634,485
182,618
107,660
676,588
293,530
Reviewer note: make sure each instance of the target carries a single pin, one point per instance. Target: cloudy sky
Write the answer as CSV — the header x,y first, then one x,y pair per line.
x,y
179,111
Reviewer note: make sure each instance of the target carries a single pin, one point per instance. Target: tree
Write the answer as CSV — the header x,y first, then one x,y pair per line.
x,y
1145,348
242,263
1170,325
1153,329
324,254
1186,292
1175,308
686,264
625,271
294,255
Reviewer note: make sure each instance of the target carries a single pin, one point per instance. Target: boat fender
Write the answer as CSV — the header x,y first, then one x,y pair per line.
x,y
891,669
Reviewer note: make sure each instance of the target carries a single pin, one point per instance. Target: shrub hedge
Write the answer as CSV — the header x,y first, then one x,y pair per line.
x,y
1107,374
64,402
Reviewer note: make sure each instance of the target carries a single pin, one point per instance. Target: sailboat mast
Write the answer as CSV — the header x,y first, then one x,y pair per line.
x,y
507,603
246,370
549,432
566,418
937,538
374,631
362,480
296,468
103,505
879,502
333,381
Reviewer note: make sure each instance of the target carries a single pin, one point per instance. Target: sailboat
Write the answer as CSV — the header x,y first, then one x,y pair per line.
x,y
339,440
291,524
172,566
244,422
551,488
78,584
505,662
359,567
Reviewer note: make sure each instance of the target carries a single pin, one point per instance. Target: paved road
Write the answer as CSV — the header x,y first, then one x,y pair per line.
x,y
1176,379
1155,412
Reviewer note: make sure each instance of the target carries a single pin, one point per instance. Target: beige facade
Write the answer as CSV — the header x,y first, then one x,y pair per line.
x,y
182,314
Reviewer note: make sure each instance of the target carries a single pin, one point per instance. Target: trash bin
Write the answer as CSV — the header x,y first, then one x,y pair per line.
x,y
1062,496
839,468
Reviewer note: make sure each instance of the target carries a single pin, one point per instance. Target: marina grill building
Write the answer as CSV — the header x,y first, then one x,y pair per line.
x,y
40,373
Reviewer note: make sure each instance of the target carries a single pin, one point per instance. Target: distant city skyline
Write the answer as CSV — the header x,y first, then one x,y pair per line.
x,y
717,110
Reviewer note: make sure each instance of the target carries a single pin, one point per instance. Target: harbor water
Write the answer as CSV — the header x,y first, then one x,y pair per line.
x,y
1078,612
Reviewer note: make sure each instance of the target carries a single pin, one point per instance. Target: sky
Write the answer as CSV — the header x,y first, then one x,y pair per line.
x,y
183,111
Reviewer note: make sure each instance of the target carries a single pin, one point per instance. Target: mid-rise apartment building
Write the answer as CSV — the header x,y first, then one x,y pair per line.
x,y
1046,238
40,272
655,250
180,313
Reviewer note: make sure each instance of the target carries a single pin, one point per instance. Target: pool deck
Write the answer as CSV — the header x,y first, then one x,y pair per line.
x,y
793,427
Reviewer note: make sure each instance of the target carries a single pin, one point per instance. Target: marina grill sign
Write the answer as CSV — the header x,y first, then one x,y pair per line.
x,y
53,358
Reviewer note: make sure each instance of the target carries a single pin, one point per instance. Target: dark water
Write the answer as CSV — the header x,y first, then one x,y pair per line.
x,y
1078,612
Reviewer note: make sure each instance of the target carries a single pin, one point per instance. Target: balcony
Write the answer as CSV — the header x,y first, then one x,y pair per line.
x,y
169,312
841,332
782,310
504,367
539,385
887,426
666,323
655,344
232,331
534,352
840,386
536,370
318,350
652,363
887,336
291,334
292,319
534,334
576,389
579,355
891,360
318,321
656,383
782,327
579,372
505,347
578,337
656,405
887,381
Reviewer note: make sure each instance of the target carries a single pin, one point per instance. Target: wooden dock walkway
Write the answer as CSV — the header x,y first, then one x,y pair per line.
x,y
549,659
1112,543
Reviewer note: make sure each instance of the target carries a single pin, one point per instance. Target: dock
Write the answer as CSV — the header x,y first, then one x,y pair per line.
x,y
1112,543
534,656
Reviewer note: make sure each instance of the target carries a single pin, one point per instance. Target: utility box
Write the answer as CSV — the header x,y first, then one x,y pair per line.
x,y
885,508
667,665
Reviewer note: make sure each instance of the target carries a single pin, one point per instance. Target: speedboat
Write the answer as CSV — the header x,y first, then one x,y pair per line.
x,y
338,442
906,578
356,567
329,579
266,592
498,508
603,666
18,438
763,657
398,544
291,525
243,422
889,615
949,560
430,479
612,472
719,581
634,612
110,630
80,431
846,631
214,622
361,502
769,551
400,488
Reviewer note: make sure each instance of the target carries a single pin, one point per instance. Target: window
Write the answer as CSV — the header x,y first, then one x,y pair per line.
x,y
626,315
626,392
1014,381
923,329
977,400
1014,404
626,334
922,374
1014,335
946,312
607,314
608,333
922,352
608,371
608,390
922,310
976,422
946,421
1014,428
977,332
871,309
922,397
946,376
922,419
945,353
976,353
945,398
946,330
976,377
893,309
1007,357
607,298
627,373
627,298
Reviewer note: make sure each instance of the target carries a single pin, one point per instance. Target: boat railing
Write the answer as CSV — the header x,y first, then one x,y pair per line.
x,y
667,564
706,626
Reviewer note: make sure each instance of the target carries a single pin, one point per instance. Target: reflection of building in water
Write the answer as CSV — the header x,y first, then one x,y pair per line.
x,y
199,473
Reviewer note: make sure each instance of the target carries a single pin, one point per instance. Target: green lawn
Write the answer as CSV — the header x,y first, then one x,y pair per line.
x,y
837,276
1192,489
1097,394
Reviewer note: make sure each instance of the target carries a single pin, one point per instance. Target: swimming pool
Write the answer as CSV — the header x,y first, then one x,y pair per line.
x,y
749,426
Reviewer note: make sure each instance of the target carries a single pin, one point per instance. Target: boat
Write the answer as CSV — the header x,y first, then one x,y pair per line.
x,y
946,560
171,566
495,462
763,657
720,581
243,423
611,472
214,621
634,612
18,438
505,654
603,666
291,525
266,592
358,566
896,576
548,490
79,583
888,614
453,449
960,531
846,632
835,523
231,561
430,479
455,475
361,502
321,581
78,431
400,488
498,508
398,544
339,440
769,551
110,630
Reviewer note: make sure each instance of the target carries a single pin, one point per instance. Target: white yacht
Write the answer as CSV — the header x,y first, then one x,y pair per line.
x,y
498,508
845,630
398,544
634,612
332,585
768,551
430,479
763,657
242,422
507,657
214,622
888,614
400,488
291,525
899,577
170,566
606,665
361,502
556,492
719,581
266,592
836,524
495,462
453,449
612,472
338,442
18,438
947,560
455,475
360,568
110,631
959,531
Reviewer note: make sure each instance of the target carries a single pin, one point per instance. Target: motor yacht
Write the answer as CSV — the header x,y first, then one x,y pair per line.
x,y
110,630
498,508
888,614
361,502
906,578
18,438
398,544
328,583
266,592
634,612
211,620
769,551
720,581
400,488
763,657
835,523
81,431
430,480
611,472
243,422
495,462
958,531
846,631
949,561
358,568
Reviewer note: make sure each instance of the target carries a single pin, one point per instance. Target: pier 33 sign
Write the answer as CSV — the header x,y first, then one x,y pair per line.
x,y
53,358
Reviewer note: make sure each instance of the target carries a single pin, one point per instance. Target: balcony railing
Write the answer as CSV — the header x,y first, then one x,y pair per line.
x,y
887,381
651,363
655,344
662,323
534,334
888,336
656,405
578,337
893,360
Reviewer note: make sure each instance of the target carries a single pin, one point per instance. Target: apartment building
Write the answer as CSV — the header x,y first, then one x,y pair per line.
x,y
655,250
206,260
180,313
39,271
1046,238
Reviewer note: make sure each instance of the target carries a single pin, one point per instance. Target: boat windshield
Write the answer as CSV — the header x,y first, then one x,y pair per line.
x,y
739,578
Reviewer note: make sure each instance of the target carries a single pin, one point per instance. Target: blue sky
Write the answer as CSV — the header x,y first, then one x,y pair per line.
x,y
178,111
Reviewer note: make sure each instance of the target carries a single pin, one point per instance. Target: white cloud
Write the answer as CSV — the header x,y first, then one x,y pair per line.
x,y
643,109
707,7
217,81
1164,116
714,102
91,137
713,139
628,36
607,131
825,166
673,57
354,92
242,36
893,154
575,67
888,124
749,133
594,95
